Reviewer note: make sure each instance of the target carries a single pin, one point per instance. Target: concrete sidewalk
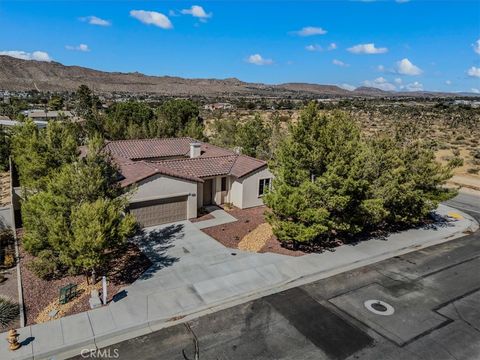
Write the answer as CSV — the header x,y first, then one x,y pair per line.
x,y
193,274
220,217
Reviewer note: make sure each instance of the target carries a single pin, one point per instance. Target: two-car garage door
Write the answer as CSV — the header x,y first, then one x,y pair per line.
x,y
160,211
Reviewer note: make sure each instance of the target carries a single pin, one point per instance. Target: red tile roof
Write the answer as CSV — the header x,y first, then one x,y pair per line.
x,y
202,166
157,148
140,159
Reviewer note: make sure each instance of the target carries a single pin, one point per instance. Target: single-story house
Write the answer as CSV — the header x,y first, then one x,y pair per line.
x,y
43,115
6,122
172,178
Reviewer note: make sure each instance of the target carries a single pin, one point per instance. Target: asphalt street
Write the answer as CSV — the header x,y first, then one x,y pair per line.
x,y
434,293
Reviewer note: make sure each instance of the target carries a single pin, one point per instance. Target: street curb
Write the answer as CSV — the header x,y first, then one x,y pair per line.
x,y
151,326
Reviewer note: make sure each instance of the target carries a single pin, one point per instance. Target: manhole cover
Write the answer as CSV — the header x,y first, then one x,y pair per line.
x,y
379,307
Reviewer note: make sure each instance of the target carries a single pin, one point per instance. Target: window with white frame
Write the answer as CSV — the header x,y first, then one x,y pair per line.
x,y
263,186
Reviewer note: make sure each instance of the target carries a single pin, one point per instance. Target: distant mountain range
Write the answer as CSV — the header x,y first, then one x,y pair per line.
x,y
17,74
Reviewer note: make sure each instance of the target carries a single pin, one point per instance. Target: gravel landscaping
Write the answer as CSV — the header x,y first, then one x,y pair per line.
x,y
124,269
231,234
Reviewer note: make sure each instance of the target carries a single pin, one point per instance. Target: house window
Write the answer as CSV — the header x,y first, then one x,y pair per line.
x,y
263,186
224,184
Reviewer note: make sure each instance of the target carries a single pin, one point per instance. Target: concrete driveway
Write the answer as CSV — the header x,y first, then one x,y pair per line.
x,y
184,256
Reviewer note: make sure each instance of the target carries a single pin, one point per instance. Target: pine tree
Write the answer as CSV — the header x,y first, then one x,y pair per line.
x,y
330,181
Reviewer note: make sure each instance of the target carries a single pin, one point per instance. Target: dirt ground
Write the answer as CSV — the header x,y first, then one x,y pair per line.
x,y
463,175
38,293
231,234
5,189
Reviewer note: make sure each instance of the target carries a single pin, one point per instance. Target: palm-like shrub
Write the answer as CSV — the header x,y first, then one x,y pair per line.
x,y
8,311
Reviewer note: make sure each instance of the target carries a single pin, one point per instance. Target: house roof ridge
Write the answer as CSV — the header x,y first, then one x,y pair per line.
x,y
165,170
233,164
193,159
152,139
253,158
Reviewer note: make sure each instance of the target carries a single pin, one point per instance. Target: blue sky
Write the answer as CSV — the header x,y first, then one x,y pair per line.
x,y
393,45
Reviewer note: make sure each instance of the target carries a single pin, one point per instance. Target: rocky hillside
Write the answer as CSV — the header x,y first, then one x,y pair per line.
x,y
17,74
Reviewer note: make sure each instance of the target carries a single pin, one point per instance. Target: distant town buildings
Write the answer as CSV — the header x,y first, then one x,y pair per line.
x,y
218,106
472,103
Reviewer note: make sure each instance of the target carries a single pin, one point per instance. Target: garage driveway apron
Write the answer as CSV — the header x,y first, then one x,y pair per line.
x,y
185,257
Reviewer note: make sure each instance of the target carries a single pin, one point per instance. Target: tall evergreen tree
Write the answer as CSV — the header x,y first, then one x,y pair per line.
x,y
330,181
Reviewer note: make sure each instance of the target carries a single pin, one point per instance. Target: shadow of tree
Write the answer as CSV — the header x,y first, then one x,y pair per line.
x,y
434,221
155,243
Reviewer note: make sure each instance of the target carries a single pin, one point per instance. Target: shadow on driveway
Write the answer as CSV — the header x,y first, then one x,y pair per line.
x,y
155,243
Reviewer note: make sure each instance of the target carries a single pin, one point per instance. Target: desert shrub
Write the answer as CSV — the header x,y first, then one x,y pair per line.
x,y
6,247
44,265
8,311
473,170
476,153
9,260
6,237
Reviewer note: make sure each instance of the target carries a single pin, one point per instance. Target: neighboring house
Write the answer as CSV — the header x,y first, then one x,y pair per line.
x,y
175,177
218,106
5,121
43,115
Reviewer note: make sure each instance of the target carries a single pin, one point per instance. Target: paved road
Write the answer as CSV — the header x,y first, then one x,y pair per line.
x,y
435,293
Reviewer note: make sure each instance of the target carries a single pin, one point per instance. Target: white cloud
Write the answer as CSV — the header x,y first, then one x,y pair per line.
x,y
367,49
36,55
476,46
406,67
332,46
339,63
152,18
474,71
381,68
397,81
316,47
380,83
448,82
310,31
313,47
198,12
415,86
257,59
475,90
94,20
347,87
81,47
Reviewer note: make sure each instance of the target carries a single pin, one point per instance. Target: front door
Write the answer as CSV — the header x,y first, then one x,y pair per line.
x,y
207,192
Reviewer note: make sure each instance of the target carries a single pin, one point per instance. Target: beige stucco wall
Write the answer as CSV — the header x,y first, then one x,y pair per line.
x,y
250,188
162,186
244,192
236,193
